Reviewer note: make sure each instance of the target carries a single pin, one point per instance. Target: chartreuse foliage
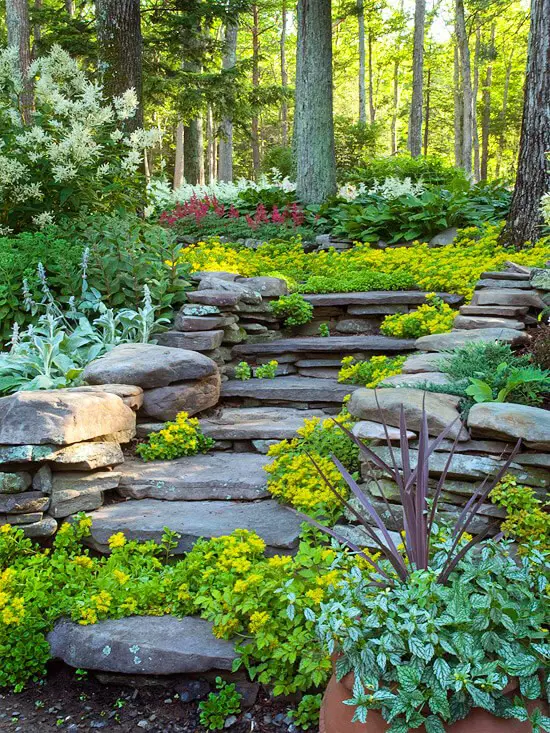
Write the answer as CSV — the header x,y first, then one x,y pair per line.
x,y
527,517
294,309
434,316
455,268
371,372
183,437
219,705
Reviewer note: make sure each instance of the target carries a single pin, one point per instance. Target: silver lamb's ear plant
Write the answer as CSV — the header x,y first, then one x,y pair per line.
x,y
418,517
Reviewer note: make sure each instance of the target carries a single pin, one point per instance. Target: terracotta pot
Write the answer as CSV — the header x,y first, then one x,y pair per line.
x,y
336,717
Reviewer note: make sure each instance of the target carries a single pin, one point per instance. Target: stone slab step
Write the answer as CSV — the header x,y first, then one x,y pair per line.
x,y
257,423
455,339
507,296
504,311
278,526
505,275
378,297
156,645
474,322
502,283
327,345
196,478
289,389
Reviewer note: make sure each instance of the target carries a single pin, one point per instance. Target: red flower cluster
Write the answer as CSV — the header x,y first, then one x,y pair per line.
x,y
201,207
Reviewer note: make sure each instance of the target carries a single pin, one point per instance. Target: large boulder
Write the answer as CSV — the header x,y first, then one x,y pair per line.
x,y
157,645
62,417
164,403
511,421
148,366
243,291
460,337
378,404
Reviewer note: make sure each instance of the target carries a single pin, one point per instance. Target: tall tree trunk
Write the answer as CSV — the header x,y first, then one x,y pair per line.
x,y
362,62
428,110
210,147
395,111
70,7
502,116
415,121
225,169
178,163
314,125
284,78
458,109
19,35
193,152
475,90
486,111
255,85
533,176
372,107
120,50
467,94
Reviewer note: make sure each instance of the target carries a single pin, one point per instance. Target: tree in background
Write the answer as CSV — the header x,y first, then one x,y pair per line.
x,y
415,120
533,176
19,35
313,118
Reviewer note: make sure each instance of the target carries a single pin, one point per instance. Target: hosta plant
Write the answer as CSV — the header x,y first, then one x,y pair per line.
x,y
437,627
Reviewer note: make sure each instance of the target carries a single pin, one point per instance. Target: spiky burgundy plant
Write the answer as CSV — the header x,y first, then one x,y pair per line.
x,y
414,490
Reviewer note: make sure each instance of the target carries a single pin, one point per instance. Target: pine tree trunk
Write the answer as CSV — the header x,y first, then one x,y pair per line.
x,y
415,121
210,147
533,176
467,95
475,89
458,109
255,85
284,78
395,112
120,50
314,126
362,62
486,111
178,163
19,35
372,107
193,152
225,168
503,113
69,7
428,110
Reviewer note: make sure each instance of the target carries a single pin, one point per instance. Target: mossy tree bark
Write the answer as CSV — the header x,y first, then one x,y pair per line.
x,y
19,35
313,120
225,162
120,50
533,176
415,120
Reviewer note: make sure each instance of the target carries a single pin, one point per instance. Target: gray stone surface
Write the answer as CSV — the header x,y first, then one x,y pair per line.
x,y
378,297
70,501
359,536
28,501
289,389
496,311
509,421
505,275
501,283
233,334
130,394
218,274
43,480
268,287
62,417
216,298
278,526
196,478
376,310
200,310
157,645
241,289
330,345
320,372
441,411
357,325
19,519
370,430
193,340
540,278
418,363
197,323
14,482
309,363
454,339
84,456
148,366
164,403
507,296
470,322
265,423
415,380
46,527
447,236
81,480
15,453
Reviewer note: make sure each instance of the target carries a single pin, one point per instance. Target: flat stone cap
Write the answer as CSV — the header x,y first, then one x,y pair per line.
x,y
142,645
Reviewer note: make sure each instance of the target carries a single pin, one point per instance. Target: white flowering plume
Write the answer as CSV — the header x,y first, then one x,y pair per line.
x,y
390,188
73,146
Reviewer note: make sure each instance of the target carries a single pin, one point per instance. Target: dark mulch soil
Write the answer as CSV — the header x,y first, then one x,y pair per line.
x,y
65,703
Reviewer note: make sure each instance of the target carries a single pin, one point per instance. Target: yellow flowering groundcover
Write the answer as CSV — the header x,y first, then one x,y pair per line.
x,y
454,268
183,437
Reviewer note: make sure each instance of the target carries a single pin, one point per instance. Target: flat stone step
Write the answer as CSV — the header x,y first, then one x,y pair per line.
x,y
277,525
505,275
378,297
507,296
326,345
157,645
473,322
289,389
504,311
455,339
257,423
196,478
503,283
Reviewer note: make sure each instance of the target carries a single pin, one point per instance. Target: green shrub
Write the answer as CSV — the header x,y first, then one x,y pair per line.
x,y
220,705
183,437
434,316
355,142
294,309
371,372
430,170
243,371
306,714
279,157
266,371
354,281
527,517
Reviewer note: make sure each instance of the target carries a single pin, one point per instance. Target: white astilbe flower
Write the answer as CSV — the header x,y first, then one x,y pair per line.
x,y
64,172
392,188
126,105
43,220
545,208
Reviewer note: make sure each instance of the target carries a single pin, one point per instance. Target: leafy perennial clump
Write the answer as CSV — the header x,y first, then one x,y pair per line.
x,y
371,372
219,705
183,437
435,316
293,308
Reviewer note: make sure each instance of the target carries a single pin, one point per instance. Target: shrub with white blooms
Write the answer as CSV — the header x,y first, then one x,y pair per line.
x,y
73,152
